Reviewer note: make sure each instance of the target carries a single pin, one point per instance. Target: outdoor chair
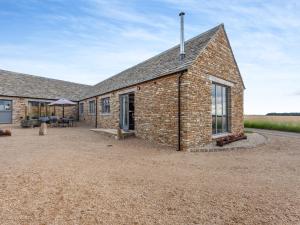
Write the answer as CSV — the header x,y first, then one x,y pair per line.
x,y
71,121
53,121
30,123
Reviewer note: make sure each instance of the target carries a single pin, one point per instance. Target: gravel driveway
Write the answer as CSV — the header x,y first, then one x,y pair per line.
x,y
75,176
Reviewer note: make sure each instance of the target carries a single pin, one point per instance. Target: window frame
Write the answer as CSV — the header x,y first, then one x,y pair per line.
x,y
105,109
94,108
225,113
81,108
43,108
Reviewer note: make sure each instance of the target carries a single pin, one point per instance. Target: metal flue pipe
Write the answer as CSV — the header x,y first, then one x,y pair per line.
x,y
182,52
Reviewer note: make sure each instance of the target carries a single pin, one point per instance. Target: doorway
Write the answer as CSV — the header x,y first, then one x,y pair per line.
x,y
5,111
127,111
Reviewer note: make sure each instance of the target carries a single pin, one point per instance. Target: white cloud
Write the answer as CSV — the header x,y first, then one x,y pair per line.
x,y
95,39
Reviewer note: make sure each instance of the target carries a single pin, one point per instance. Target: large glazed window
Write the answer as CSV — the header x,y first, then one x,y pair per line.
x,y
39,108
219,97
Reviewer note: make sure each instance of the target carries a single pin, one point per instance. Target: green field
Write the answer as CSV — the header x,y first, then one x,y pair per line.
x,y
272,123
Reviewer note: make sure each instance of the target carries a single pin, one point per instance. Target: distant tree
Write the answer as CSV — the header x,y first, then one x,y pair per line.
x,y
283,114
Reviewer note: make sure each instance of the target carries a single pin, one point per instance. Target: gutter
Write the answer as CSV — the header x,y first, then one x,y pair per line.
x,y
179,112
34,98
96,125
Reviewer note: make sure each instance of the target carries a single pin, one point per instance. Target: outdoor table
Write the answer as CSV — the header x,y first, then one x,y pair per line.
x,y
67,121
44,119
63,122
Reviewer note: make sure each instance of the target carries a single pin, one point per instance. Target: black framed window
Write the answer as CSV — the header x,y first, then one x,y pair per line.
x,y
219,97
92,107
81,108
105,105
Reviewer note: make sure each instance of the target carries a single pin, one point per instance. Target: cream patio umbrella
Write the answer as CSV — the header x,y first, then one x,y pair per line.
x,y
63,102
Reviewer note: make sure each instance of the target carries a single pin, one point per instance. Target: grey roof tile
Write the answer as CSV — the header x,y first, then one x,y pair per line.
x,y
167,62
24,85
164,63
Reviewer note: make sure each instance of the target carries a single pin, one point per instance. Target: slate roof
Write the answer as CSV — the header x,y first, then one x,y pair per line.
x,y
24,85
167,62
162,64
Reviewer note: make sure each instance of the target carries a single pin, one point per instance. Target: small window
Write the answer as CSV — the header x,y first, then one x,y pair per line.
x,y
92,109
105,103
81,108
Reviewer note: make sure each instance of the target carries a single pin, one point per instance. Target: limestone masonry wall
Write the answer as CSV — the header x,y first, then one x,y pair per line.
x,y
87,118
216,60
155,110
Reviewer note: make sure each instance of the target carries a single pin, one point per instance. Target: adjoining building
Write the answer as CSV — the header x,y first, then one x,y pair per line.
x,y
23,95
184,97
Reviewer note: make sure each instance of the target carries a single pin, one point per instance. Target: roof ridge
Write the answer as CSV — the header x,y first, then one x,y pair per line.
x,y
46,78
176,46
210,39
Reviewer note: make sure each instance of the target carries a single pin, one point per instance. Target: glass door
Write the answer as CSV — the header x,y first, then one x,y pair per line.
x,y
124,112
5,111
127,111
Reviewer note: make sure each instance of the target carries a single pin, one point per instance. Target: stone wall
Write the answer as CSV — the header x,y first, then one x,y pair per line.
x,y
155,110
70,111
216,60
109,120
87,118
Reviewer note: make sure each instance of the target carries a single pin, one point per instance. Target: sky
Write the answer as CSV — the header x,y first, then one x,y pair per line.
x,y
87,41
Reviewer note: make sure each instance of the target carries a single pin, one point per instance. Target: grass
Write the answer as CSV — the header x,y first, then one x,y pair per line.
x,y
273,125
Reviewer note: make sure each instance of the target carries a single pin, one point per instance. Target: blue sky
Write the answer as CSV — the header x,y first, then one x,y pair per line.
x,y
87,41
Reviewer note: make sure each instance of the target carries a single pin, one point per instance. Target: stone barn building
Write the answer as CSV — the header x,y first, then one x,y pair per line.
x,y
23,95
180,99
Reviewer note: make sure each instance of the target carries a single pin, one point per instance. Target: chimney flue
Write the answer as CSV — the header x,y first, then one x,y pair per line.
x,y
182,53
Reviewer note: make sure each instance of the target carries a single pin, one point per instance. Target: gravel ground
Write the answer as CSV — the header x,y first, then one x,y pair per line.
x,y
75,176
253,140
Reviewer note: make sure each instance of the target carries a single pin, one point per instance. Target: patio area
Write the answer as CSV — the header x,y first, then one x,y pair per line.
x,y
76,176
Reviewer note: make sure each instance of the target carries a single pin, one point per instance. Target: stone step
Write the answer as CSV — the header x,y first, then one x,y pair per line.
x,y
114,132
